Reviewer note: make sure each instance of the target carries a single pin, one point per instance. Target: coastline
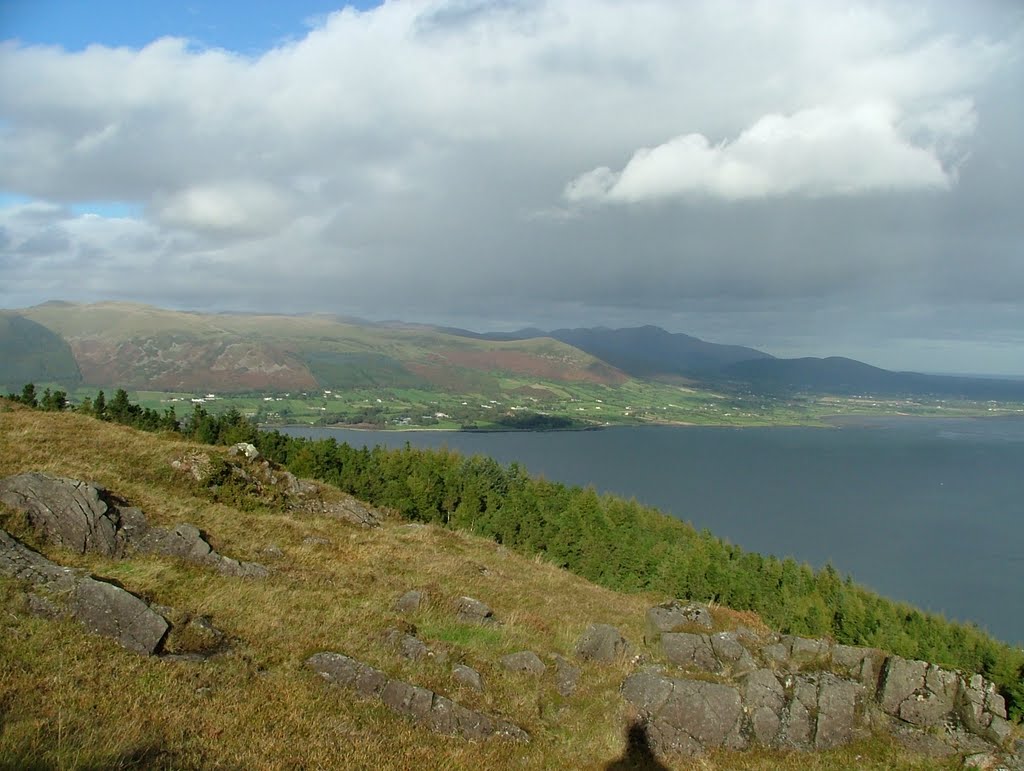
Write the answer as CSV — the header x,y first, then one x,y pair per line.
x,y
834,421
424,429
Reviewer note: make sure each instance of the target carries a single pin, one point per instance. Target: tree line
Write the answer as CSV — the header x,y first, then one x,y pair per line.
x,y
611,541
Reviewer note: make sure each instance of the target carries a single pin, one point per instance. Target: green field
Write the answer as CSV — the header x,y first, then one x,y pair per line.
x,y
586,404
325,370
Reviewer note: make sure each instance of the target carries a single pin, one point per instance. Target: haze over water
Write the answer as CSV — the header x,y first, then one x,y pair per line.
x,y
929,511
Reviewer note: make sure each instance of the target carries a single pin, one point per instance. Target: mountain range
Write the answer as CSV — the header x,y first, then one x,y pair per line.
x,y
147,348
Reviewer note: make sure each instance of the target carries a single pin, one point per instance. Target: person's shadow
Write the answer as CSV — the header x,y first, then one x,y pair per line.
x,y
638,754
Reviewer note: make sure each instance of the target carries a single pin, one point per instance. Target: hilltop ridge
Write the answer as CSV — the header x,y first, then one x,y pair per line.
x,y
143,347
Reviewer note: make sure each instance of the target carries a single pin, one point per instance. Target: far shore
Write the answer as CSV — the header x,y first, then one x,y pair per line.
x,y
406,429
835,422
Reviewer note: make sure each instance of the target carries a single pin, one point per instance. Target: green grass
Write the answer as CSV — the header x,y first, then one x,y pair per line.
x,y
470,636
634,403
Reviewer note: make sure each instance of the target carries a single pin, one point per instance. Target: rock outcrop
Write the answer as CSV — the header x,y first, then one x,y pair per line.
x,y
423,706
69,513
411,601
720,652
675,616
101,607
709,689
602,642
567,675
85,517
246,450
687,716
187,543
110,611
265,482
345,508
526,662
788,691
473,611
468,677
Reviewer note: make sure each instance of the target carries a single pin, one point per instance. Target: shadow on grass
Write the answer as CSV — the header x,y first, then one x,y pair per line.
x,y
145,757
638,754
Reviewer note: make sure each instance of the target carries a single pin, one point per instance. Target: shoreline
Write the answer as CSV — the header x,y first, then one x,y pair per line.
x,y
835,421
414,429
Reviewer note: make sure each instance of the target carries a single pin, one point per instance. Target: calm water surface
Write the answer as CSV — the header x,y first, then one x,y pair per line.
x,y
930,511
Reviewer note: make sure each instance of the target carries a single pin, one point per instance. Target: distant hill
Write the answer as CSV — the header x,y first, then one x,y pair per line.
x,y
141,347
649,351
527,333
31,353
838,375
646,351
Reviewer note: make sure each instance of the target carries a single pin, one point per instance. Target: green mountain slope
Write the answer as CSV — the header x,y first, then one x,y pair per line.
x,y
143,347
29,352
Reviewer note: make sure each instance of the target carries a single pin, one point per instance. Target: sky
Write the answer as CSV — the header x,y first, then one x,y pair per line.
x,y
808,177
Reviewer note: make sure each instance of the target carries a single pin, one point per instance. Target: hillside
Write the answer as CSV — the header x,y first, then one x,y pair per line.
x,y
30,352
147,348
650,351
71,699
646,351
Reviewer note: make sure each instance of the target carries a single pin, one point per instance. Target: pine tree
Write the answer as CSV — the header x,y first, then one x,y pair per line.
x,y
28,396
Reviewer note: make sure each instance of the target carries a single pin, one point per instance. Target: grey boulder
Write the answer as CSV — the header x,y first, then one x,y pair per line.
x,y
567,675
112,612
687,716
468,677
433,711
524,661
473,611
68,512
602,642
410,602
101,607
676,616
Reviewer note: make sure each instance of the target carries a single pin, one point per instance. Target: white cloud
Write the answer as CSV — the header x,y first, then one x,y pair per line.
x,y
814,152
245,208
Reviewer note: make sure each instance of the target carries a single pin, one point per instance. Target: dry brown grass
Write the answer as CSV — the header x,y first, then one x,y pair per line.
x,y
70,700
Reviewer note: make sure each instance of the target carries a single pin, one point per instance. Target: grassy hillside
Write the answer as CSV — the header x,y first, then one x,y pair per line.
x,y
29,352
70,700
151,348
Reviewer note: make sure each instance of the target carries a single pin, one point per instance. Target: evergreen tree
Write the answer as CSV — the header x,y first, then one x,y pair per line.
x,y
169,420
120,408
56,401
28,396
